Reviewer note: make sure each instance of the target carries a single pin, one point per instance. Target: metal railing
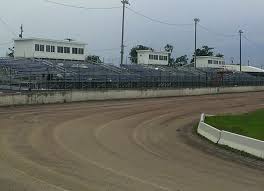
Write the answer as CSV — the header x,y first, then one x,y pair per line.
x,y
37,75
50,81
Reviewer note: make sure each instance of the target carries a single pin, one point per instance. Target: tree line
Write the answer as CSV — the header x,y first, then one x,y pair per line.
x,y
178,61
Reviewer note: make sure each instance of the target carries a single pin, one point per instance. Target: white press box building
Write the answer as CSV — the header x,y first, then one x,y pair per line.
x,y
49,49
219,63
210,62
149,57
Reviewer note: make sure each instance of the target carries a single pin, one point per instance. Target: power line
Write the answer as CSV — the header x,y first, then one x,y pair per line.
x,y
7,26
82,7
217,33
252,42
155,20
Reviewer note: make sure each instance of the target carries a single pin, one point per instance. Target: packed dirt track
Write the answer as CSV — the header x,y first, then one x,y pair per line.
x,y
132,145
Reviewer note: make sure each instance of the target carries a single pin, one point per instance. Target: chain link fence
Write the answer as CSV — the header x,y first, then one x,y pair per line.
x,y
28,75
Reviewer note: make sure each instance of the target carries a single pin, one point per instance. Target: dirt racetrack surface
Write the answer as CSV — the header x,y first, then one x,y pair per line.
x,y
132,145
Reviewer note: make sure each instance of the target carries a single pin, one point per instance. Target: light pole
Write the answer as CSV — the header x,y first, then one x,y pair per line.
x,y
124,2
240,56
196,20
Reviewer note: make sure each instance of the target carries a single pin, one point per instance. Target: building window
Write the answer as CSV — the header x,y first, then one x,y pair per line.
x,y
47,48
80,51
156,57
215,62
42,48
74,50
163,58
67,50
210,62
52,48
36,47
60,49
151,57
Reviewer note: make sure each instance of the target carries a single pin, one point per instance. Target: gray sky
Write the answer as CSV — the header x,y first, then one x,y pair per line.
x,y
101,29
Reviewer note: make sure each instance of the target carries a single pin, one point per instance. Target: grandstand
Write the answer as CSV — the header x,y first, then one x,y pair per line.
x,y
40,74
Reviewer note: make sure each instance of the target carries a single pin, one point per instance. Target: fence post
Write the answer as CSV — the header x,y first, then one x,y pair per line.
x,y
199,83
160,80
30,80
192,80
79,77
64,78
10,78
239,79
169,80
47,79
206,79
118,81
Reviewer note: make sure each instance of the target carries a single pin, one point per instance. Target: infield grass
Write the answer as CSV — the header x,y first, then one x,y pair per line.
x,y
248,124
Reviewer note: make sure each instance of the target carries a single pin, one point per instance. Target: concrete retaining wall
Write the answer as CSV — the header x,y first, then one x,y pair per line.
x,y
73,96
202,118
242,143
209,132
239,142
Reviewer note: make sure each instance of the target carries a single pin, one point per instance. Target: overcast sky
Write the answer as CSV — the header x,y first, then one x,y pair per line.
x,y
101,29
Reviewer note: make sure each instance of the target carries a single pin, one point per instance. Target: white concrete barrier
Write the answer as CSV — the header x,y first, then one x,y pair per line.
x,y
242,143
202,117
209,132
74,96
249,145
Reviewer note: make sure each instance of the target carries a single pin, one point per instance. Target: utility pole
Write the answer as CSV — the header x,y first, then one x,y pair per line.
x,y
124,2
240,34
196,20
21,31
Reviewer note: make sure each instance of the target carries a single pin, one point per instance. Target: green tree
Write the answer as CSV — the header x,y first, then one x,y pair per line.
x,y
204,51
169,48
11,52
133,52
219,55
182,60
93,58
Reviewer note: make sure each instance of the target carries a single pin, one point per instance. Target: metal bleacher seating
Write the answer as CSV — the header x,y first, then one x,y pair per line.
x,y
39,73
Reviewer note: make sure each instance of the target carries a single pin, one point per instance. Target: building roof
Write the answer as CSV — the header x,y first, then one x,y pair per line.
x,y
50,40
233,67
211,57
252,69
155,52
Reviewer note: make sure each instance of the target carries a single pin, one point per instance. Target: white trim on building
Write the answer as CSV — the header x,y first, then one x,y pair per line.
x,y
49,49
149,57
